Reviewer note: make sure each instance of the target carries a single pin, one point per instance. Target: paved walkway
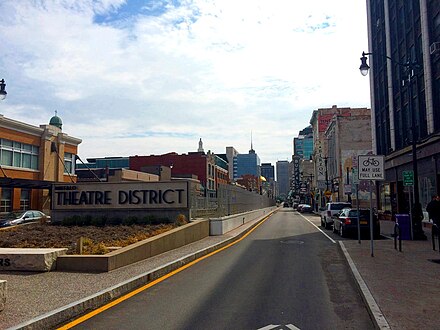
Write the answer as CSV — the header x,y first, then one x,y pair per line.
x,y
404,285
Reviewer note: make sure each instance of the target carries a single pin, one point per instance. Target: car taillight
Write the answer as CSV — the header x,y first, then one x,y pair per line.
x,y
347,221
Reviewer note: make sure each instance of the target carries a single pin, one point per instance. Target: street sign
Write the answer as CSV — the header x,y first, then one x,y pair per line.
x,y
355,175
408,178
371,167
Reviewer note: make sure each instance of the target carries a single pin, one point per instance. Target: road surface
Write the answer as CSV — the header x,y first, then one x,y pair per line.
x,y
284,275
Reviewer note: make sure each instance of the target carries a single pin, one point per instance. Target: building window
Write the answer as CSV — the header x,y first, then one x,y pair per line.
x,y
18,154
69,167
25,199
6,200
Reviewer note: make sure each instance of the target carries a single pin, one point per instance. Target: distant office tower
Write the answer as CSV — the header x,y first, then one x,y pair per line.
x,y
268,171
247,164
303,144
230,154
283,177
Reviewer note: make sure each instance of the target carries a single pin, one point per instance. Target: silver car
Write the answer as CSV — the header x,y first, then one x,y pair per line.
x,y
18,217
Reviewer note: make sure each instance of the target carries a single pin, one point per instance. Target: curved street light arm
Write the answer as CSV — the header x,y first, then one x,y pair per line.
x,y
409,65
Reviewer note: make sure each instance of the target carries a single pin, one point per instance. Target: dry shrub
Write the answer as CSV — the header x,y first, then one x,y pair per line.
x,y
99,248
181,220
90,247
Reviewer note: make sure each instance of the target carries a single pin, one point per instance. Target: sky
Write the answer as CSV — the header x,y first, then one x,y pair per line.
x,y
135,77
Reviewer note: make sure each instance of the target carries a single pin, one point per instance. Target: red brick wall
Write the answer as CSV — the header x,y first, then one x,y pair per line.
x,y
182,164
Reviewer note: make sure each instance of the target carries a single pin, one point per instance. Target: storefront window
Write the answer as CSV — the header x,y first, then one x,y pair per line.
x,y
385,197
427,189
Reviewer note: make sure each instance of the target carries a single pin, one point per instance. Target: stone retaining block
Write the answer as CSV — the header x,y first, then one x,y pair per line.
x,y
29,259
2,294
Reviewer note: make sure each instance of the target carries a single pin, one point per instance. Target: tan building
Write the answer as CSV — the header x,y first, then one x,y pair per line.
x,y
347,137
31,159
320,121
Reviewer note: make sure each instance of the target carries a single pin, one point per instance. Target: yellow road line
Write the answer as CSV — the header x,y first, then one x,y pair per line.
x,y
156,281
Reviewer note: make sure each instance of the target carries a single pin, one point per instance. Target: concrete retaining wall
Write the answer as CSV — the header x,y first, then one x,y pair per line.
x,y
220,226
2,294
172,239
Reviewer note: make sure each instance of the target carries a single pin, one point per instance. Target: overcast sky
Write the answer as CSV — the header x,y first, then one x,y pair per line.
x,y
141,77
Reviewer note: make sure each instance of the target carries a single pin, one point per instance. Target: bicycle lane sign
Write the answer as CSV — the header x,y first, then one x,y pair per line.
x,y
371,167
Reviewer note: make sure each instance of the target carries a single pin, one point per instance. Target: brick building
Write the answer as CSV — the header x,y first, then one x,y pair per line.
x,y
31,159
201,164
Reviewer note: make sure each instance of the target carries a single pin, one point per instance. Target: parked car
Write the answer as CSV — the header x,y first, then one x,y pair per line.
x,y
306,208
330,210
18,217
346,222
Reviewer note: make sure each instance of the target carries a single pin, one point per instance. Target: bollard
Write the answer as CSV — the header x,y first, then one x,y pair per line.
x,y
397,232
435,230
79,245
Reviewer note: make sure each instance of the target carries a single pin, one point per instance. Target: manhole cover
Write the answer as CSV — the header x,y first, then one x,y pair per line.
x,y
292,241
437,261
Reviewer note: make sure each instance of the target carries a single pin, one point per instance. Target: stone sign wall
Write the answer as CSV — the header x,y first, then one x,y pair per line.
x,y
163,198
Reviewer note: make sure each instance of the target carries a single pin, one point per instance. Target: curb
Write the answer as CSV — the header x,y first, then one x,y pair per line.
x,y
376,314
63,314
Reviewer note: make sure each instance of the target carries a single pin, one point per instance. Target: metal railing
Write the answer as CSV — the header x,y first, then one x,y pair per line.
x,y
228,200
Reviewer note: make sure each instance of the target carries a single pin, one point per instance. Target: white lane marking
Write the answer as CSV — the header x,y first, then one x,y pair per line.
x,y
292,327
331,239
273,326
269,327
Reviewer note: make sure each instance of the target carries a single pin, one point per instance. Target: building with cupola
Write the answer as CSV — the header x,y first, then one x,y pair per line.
x,y
31,159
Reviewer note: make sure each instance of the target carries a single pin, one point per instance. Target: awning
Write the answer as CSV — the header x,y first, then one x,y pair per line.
x,y
24,183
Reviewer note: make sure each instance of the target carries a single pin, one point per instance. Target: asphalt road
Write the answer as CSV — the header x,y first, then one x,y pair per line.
x,y
285,275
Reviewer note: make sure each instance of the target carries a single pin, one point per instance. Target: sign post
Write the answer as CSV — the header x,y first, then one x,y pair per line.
x,y
408,181
371,168
356,182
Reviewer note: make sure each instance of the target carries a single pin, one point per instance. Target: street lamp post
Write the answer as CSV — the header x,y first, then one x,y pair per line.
x,y
326,173
410,68
3,92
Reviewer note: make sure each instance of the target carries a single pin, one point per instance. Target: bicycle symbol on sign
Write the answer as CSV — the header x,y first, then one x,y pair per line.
x,y
370,161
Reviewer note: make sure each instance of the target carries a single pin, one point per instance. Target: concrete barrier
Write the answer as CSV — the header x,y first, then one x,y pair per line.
x,y
220,226
169,240
3,287
29,259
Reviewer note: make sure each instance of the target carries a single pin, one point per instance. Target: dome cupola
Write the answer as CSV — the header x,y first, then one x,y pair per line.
x,y
56,121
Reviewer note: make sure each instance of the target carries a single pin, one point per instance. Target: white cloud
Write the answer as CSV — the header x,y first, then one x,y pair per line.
x,y
210,69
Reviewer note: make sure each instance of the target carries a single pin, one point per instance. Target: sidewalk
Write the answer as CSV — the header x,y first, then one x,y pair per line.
x,y
405,285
